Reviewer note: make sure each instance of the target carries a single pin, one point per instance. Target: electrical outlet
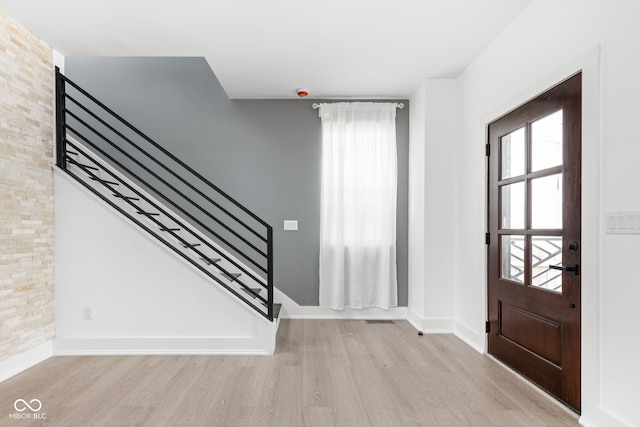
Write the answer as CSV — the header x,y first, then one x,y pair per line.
x,y
88,312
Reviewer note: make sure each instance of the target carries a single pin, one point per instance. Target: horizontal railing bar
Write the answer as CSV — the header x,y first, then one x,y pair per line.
x,y
148,230
122,196
155,221
164,151
162,165
162,180
138,193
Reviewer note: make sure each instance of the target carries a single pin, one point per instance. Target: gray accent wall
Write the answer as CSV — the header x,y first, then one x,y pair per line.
x,y
264,153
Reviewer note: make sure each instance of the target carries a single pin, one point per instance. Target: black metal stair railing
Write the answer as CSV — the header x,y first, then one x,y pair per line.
x,y
204,225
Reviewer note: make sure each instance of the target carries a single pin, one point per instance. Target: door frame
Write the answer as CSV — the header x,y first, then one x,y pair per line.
x,y
555,369
589,63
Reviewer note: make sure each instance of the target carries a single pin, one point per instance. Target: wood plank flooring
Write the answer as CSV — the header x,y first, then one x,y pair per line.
x,y
324,373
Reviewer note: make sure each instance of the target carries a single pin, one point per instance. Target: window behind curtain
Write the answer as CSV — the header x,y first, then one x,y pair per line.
x,y
358,205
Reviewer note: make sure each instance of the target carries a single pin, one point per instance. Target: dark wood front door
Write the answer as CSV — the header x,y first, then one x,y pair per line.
x,y
534,240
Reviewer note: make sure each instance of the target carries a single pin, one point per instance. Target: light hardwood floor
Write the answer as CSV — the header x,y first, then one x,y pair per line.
x,y
324,373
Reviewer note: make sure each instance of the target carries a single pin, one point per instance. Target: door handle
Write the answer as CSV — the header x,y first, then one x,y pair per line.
x,y
572,269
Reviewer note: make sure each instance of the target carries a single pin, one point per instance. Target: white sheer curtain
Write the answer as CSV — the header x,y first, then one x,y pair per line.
x,y
358,205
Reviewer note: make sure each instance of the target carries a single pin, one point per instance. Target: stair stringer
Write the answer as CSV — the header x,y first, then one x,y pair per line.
x,y
144,299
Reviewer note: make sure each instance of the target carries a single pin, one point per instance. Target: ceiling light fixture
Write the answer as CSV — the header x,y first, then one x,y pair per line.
x,y
302,93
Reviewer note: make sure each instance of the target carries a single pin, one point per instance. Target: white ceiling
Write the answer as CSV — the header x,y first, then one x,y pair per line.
x,y
269,48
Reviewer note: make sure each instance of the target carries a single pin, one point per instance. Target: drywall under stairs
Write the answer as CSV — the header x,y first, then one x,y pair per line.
x,y
119,291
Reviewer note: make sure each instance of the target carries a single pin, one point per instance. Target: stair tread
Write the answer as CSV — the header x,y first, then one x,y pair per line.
x,y
169,229
276,310
210,261
148,213
82,165
122,196
252,291
231,276
191,245
95,178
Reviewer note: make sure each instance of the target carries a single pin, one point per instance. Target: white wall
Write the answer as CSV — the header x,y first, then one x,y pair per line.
x,y
417,198
144,299
547,42
434,124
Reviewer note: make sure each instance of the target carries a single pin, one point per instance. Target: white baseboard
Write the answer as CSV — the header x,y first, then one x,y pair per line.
x,y
431,325
291,310
312,312
585,422
602,418
470,337
23,361
163,346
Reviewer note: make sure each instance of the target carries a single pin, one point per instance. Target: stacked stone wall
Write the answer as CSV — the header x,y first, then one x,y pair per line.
x,y
26,190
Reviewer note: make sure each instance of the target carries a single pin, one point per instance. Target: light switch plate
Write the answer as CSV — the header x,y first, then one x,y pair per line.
x,y
631,222
623,222
290,225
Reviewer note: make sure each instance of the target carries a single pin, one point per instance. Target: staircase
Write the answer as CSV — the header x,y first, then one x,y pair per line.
x,y
172,203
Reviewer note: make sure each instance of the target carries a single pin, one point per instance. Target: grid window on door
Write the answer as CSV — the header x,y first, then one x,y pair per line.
x,y
530,203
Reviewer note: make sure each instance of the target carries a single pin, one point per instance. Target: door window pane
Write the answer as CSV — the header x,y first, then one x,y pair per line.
x,y
546,202
512,205
512,154
546,251
546,142
512,258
